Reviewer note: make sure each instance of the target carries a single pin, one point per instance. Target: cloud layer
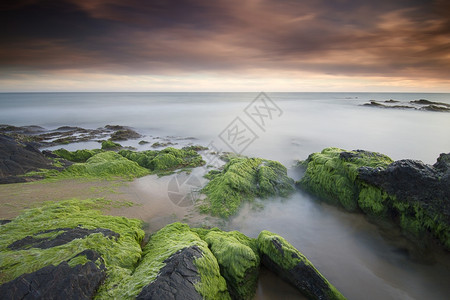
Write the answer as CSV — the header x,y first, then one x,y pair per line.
x,y
397,39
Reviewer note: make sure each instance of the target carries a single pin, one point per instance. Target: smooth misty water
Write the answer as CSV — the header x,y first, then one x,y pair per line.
x,y
352,253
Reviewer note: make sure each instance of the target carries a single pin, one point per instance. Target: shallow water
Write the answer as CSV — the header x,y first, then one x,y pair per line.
x,y
361,260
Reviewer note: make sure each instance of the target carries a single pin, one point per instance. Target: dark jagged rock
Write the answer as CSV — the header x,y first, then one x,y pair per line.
x,y
4,222
19,158
436,108
67,235
124,134
420,193
412,194
59,282
428,102
177,279
283,259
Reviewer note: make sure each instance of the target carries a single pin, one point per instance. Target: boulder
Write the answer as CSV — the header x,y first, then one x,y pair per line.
x,y
19,158
177,279
283,259
59,282
413,194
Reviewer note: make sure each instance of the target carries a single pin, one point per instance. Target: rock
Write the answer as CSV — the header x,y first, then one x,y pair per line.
x,y
244,178
106,145
428,102
177,279
283,259
238,259
124,134
165,161
42,246
59,282
67,235
419,194
2,222
436,108
19,158
410,193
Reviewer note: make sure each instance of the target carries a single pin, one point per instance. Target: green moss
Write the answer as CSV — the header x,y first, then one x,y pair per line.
x,y
287,256
108,145
238,259
78,155
166,160
78,260
162,245
243,179
332,177
373,201
119,255
104,165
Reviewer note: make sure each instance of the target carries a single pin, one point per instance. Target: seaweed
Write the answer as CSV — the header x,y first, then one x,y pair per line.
x,y
165,161
332,173
243,179
162,245
76,156
238,259
293,266
120,255
109,145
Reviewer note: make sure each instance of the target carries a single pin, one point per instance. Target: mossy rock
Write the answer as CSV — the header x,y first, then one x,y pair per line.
x,y
408,192
78,156
166,160
164,244
105,165
332,174
282,258
119,252
243,179
109,145
238,259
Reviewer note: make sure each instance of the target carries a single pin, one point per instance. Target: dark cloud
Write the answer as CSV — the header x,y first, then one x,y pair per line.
x,y
342,37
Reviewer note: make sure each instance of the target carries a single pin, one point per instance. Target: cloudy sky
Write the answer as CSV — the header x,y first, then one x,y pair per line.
x,y
225,45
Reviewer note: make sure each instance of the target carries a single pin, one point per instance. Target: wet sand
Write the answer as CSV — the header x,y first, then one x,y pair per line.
x,y
149,196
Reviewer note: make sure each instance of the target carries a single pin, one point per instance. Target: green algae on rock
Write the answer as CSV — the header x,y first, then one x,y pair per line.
x,y
165,161
109,145
238,259
331,174
162,245
119,253
105,165
242,179
414,195
78,156
282,258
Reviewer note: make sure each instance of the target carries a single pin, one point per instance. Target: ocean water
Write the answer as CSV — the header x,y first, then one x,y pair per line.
x,y
362,260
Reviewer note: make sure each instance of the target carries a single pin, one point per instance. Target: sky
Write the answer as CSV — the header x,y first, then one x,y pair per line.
x,y
225,45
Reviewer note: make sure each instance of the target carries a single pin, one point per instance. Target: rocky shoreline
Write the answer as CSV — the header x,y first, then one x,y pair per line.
x,y
410,193
68,249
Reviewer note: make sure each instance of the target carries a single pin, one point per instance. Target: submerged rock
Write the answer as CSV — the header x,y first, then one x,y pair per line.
x,y
244,178
408,192
283,259
124,134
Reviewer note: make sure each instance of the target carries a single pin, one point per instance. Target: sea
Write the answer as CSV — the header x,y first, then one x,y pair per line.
x,y
363,260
